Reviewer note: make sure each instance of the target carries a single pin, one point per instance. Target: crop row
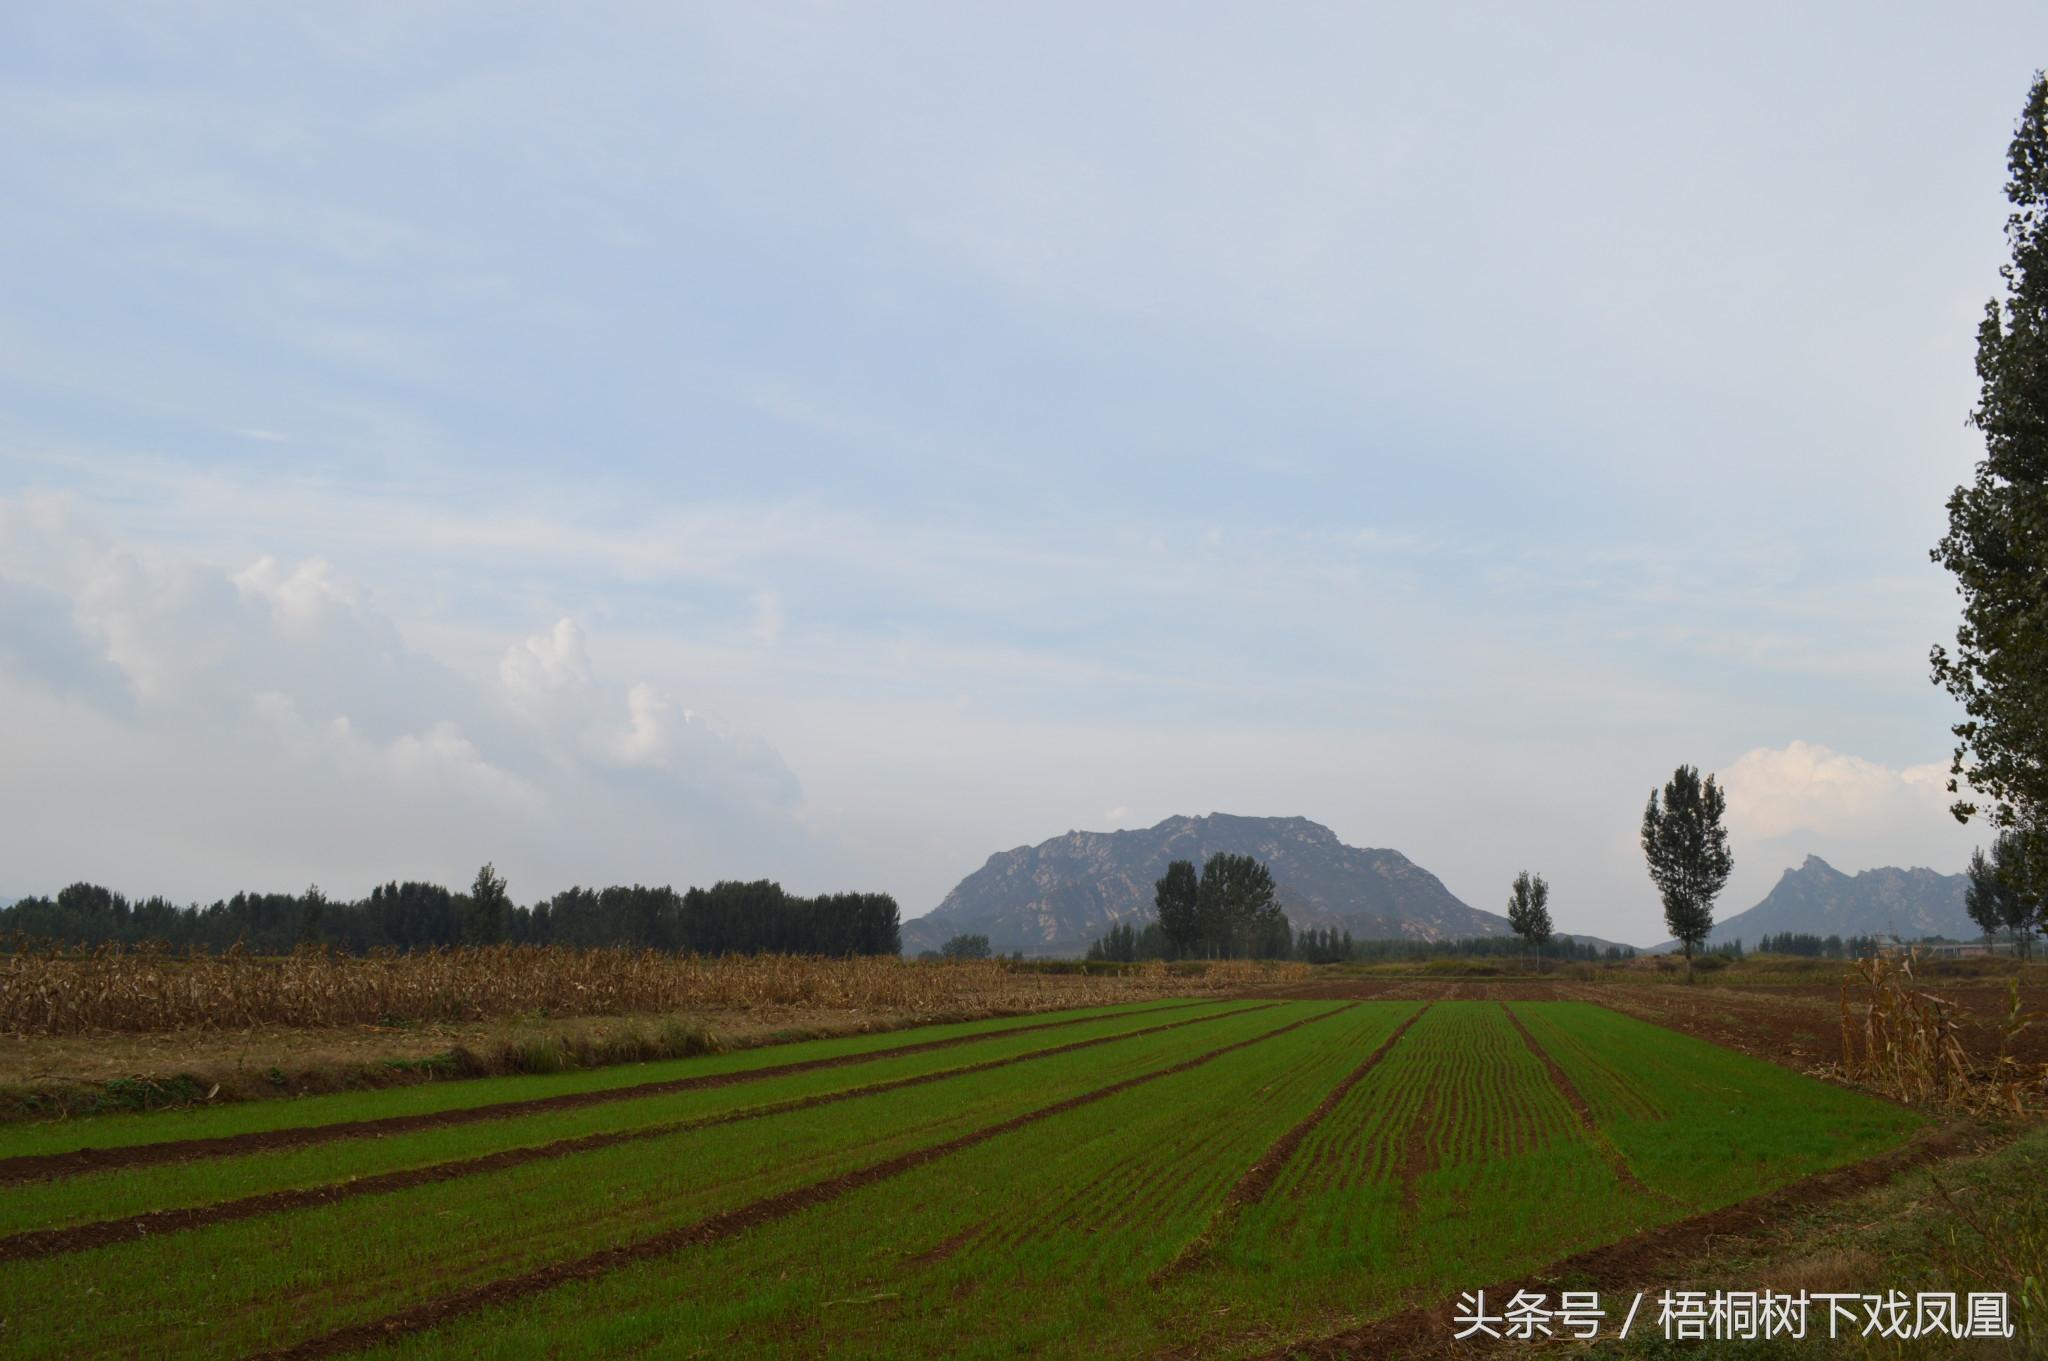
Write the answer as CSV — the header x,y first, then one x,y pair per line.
x,y
1042,1242
1706,1125
1028,1189
258,1283
412,1103
354,1166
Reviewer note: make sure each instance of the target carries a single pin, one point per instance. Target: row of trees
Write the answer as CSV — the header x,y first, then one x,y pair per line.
x,y
1811,946
730,917
2005,894
1242,910
1320,945
1230,911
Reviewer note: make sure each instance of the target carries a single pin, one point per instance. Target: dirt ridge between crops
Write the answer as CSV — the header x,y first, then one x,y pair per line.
x,y
1416,1158
727,1223
69,1238
1632,1260
1623,1173
1258,1179
51,1166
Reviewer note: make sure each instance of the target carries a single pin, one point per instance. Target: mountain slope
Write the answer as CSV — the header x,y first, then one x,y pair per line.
x,y
1820,900
1056,897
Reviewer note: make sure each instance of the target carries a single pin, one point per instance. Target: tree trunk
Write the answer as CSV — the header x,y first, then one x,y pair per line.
x,y
1688,961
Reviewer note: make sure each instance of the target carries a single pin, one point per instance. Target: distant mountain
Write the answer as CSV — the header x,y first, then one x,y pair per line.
x,y
1058,896
1818,899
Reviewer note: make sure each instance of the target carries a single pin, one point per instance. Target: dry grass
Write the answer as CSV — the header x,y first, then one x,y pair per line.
x,y
152,990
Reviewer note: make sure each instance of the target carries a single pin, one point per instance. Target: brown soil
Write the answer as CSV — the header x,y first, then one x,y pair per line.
x,y
1644,1257
78,1237
1416,1159
949,1246
53,1165
726,1224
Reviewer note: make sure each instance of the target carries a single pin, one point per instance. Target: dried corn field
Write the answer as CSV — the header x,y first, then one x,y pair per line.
x,y
115,989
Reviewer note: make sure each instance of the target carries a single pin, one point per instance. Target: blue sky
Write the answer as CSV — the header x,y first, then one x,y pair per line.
x,y
941,427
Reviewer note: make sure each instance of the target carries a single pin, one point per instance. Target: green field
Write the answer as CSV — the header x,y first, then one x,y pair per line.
x,y
1078,1187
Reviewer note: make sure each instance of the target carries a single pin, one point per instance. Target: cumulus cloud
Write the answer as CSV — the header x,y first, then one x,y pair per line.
x,y
272,705
1804,787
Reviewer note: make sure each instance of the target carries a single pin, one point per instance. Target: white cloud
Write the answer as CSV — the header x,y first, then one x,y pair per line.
x,y
1805,787
546,671
140,690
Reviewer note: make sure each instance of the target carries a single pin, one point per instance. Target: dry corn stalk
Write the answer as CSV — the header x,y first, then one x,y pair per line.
x,y
1907,1043
45,992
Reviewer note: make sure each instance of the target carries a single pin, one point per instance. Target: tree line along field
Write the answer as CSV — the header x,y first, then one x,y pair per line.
x,y
1232,1175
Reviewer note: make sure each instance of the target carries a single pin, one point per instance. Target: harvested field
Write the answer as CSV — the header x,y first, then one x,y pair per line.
x,y
1220,1176
154,991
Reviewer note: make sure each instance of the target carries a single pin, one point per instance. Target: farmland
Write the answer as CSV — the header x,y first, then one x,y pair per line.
x,y
1215,1174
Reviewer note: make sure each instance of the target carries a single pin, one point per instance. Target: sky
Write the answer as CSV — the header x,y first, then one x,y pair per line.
x,y
836,443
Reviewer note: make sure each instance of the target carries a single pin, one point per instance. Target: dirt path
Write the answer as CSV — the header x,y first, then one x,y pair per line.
x,y
79,1237
726,1224
48,1166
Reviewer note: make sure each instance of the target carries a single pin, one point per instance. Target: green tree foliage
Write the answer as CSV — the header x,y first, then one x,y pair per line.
x,y
1817,947
1177,896
487,911
728,918
965,947
2000,893
1324,946
1237,910
1119,945
1529,910
1687,850
1997,541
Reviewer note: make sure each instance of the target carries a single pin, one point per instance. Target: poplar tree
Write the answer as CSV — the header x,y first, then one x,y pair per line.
x,y
1997,541
1529,911
1177,898
1687,850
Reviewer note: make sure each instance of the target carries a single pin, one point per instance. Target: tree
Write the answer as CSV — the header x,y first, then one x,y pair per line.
x,y
485,911
312,905
1999,894
965,947
1997,541
1687,850
1120,945
1236,908
1177,898
1529,911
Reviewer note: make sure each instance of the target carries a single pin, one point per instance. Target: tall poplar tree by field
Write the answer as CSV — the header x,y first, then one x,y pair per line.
x,y
485,910
1176,897
1529,911
1997,541
1687,850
